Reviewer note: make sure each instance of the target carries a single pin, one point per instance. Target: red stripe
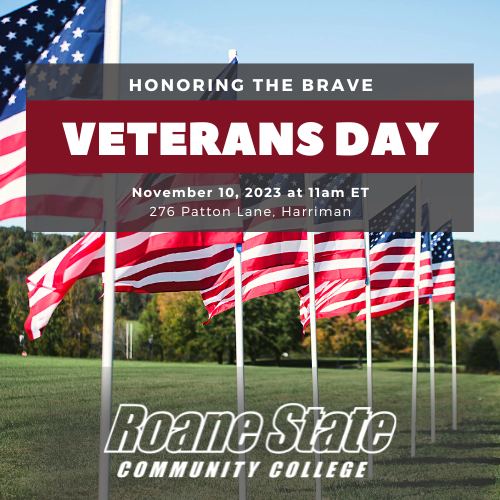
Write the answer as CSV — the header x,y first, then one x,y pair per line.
x,y
60,205
12,175
444,298
12,143
13,208
442,272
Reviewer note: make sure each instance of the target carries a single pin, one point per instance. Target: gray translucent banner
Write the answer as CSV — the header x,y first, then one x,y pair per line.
x,y
251,202
289,82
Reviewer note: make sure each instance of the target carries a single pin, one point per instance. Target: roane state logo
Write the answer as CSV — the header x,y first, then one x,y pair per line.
x,y
136,431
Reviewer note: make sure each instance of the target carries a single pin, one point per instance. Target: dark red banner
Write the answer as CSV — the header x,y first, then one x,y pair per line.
x,y
382,127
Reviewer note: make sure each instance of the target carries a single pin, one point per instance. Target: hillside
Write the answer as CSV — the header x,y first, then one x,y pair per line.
x,y
478,264
478,269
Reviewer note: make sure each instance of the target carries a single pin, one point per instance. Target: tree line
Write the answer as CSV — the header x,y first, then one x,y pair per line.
x,y
170,326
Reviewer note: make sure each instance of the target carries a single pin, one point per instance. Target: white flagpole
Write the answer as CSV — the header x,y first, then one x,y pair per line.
x,y
240,355
418,243
112,33
431,346
126,341
240,366
368,309
431,364
130,344
312,323
454,363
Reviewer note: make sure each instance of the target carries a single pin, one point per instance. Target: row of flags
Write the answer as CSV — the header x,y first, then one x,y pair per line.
x,y
55,31
272,262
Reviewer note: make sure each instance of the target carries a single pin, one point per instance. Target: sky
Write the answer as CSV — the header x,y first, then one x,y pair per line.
x,y
383,31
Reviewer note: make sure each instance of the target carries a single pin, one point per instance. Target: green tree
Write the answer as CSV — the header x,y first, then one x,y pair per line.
x,y
19,308
272,325
483,356
7,338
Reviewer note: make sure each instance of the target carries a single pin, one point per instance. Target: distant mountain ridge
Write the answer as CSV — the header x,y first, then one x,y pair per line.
x,y
478,269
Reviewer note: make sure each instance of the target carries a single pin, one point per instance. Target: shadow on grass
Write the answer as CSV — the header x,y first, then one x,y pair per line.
x,y
363,484
458,431
437,461
306,363
409,370
470,446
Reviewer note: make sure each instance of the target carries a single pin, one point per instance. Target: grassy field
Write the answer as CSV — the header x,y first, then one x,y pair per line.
x,y
49,426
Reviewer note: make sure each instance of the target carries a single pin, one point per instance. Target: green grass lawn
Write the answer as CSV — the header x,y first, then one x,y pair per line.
x,y
49,427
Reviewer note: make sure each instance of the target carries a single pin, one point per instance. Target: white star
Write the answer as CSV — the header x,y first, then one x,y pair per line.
x,y
53,60
52,84
56,39
41,76
12,99
76,79
64,46
63,70
78,33
80,10
33,8
44,55
68,25
28,41
22,84
5,20
30,92
22,22
11,35
49,12
6,70
77,56
2,48
39,27
18,56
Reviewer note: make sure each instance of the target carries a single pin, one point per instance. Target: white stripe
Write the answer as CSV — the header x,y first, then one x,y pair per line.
x,y
447,290
391,275
443,278
13,125
12,160
399,243
13,190
443,265
65,185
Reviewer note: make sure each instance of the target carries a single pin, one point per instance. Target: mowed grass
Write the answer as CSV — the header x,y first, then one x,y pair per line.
x,y
49,430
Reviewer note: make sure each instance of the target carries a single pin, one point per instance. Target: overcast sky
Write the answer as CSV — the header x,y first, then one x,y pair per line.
x,y
383,31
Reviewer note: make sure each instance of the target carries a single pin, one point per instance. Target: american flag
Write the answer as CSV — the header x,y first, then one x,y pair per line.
x,y
253,190
328,184
443,264
342,294
392,253
183,266
339,257
46,31
395,270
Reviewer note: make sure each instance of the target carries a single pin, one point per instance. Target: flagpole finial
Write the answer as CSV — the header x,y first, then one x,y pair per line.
x,y
232,54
